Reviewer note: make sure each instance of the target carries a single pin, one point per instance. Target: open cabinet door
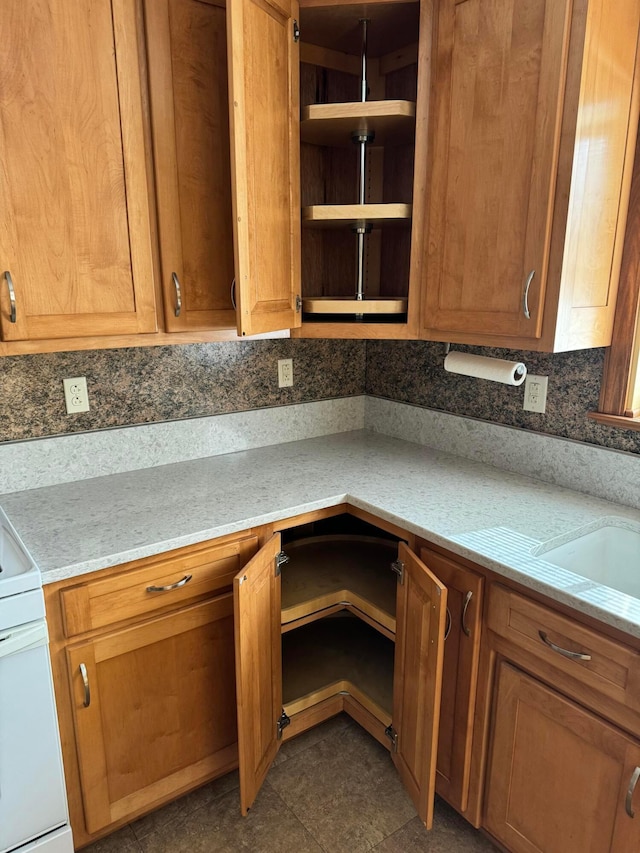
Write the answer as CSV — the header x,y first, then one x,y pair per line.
x,y
263,58
420,613
256,601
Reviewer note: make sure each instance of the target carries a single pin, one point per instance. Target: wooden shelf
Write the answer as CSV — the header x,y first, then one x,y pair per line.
x,y
333,656
336,305
341,215
326,572
392,122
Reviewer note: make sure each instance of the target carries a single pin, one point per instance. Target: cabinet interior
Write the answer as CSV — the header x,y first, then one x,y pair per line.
x,y
331,112
338,617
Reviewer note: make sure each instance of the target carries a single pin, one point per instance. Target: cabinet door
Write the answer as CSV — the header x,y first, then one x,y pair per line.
x,y
559,776
265,161
498,89
420,626
257,607
157,714
75,233
187,50
459,676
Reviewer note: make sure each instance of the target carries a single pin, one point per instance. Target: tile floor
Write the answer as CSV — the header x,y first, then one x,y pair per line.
x,y
333,789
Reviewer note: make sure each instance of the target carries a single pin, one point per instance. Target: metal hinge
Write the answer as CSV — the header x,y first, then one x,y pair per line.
x,y
298,303
296,31
392,734
398,567
281,559
282,724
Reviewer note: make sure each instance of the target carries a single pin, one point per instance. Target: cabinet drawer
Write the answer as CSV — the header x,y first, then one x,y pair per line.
x,y
590,660
150,586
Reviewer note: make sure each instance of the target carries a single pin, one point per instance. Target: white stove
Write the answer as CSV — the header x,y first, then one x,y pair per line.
x,y
33,804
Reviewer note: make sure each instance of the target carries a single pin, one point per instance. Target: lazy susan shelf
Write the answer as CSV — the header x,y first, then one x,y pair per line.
x,y
392,122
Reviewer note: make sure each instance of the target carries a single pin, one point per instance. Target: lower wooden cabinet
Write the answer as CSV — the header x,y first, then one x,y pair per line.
x,y
560,778
459,676
154,709
390,691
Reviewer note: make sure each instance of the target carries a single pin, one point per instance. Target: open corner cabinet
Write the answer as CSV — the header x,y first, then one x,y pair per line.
x,y
361,166
340,623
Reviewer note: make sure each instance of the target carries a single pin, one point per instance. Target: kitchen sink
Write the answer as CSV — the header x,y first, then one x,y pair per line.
x,y
609,555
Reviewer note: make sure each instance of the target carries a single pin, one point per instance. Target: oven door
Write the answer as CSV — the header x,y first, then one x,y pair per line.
x,y
32,792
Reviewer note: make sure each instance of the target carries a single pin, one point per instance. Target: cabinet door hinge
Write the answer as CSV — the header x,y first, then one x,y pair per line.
x,y
298,303
392,734
296,31
281,559
398,567
282,724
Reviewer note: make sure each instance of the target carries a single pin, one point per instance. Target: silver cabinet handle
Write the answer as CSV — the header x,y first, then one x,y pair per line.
x,y
632,786
463,618
565,652
12,296
85,681
449,621
176,285
233,293
176,585
525,295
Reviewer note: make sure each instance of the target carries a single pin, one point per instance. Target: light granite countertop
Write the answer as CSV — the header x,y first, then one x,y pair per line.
x,y
493,517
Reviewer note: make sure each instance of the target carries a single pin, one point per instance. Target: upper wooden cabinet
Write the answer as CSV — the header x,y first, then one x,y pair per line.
x,y
533,125
75,231
263,96
187,50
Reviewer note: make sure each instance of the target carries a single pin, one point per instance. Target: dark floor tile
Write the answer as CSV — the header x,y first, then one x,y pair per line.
x,y
310,738
185,805
122,841
450,834
218,827
346,758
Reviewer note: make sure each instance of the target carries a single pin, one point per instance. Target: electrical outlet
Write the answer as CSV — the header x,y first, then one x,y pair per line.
x,y
535,393
285,372
76,395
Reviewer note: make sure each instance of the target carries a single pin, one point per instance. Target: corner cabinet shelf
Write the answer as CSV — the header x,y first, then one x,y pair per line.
x,y
392,122
363,111
336,627
352,215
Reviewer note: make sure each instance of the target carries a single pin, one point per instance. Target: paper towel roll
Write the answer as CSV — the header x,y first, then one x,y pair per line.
x,y
496,369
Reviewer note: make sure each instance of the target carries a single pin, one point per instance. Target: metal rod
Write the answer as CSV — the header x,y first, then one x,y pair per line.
x,y
362,171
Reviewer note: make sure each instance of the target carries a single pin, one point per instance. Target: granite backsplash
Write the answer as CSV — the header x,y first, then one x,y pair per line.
x,y
148,385
413,372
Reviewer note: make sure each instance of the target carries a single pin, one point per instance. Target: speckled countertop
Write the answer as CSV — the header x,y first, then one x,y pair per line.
x,y
488,515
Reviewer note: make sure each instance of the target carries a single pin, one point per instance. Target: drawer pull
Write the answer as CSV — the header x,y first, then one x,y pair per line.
x,y
178,290
632,786
525,295
85,681
447,630
463,618
565,652
12,296
185,580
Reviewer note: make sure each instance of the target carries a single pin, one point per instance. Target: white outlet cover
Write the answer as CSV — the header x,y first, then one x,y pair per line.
x,y
535,393
285,372
76,395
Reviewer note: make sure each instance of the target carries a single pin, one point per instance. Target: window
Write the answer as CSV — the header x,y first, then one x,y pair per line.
x,y
620,395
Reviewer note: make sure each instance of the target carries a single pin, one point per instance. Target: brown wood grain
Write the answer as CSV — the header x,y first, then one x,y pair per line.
x,y
75,231
258,668
420,626
558,775
265,159
459,677
186,44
